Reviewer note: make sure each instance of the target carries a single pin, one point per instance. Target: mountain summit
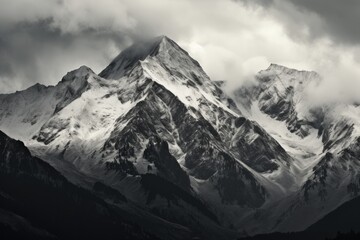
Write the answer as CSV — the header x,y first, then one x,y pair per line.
x,y
161,49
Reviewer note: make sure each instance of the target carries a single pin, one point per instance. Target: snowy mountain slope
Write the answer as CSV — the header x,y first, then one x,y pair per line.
x,y
322,140
23,113
282,93
154,111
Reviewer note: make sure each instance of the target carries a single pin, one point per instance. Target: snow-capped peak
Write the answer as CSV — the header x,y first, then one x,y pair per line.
x,y
130,56
161,49
274,66
279,69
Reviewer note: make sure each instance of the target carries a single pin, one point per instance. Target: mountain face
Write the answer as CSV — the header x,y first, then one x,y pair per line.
x,y
154,129
322,139
281,93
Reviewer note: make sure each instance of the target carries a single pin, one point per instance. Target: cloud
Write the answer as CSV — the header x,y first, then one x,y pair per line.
x,y
315,19
311,21
329,39
232,40
66,15
31,53
339,18
340,81
50,38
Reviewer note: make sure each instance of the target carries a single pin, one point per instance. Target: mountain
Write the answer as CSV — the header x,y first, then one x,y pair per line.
x,y
282,94
154,129
323,140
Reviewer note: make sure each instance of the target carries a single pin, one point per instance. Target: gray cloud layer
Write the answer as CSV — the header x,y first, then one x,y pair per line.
x,y
35,52
330,18
41,40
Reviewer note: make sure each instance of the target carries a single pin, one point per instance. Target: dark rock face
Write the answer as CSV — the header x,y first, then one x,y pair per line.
x,y
123,166
334,134
157,152
182,207
155,185
109,193
256,148
318,180
233,180
203,160
281,108
34,190
16,159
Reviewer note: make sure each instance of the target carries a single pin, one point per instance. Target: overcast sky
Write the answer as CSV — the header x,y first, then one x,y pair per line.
x,y
41,40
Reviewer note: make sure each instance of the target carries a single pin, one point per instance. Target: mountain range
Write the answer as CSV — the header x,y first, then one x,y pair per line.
x,y
151,147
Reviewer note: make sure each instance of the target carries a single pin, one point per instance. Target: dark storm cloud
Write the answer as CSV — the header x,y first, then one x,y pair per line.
x,y
32,52
340,18
19,46
5,66
335,19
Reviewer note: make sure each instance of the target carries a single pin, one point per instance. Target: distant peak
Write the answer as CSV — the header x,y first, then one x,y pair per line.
x,y
36,87
276,69
274,66
283,69
82,70
78,73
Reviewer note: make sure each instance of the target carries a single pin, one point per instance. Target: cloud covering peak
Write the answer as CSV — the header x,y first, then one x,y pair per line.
x,y
232,40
